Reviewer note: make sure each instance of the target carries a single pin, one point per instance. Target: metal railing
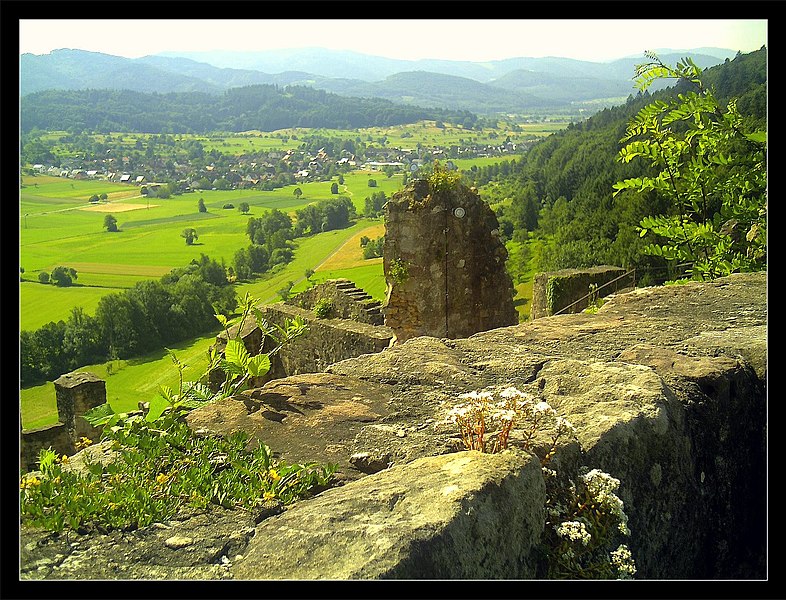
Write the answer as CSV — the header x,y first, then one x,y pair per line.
x,y
597,289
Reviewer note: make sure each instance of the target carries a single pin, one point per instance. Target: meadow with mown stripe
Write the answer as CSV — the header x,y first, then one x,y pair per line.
x,y
59,226
146,248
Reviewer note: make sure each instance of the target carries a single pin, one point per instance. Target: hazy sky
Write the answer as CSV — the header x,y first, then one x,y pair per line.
x,y
468,39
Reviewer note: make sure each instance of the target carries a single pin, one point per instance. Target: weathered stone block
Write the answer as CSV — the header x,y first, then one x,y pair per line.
x,y
566,291
76,393
457,516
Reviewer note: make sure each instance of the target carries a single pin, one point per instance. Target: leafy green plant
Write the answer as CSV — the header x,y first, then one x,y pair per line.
x,y
442,179
237,364
712,169
584,518
398,271
158,471
593,301
554,287
323,308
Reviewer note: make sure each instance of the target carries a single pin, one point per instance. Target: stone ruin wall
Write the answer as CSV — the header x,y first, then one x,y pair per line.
x,y
347,301
325,341
353,329
566,291
76,393
454,280
667,387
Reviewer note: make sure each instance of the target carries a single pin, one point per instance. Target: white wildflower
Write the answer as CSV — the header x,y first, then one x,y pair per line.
x,y
602,488
574,531
565,427
543,407
503,414
458,411
622,559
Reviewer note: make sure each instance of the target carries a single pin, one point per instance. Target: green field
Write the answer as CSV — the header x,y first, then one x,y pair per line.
x,y
55,229
148,247
149,244
128,382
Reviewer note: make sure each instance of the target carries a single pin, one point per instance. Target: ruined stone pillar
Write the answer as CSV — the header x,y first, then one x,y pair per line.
x,y
76,393
444,264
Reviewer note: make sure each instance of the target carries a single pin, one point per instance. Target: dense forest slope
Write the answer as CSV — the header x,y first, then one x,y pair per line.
x,y
262,107
560,193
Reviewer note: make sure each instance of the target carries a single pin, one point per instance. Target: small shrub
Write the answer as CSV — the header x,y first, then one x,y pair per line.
x,y
442,179
398,271
323,309
159,471
228,206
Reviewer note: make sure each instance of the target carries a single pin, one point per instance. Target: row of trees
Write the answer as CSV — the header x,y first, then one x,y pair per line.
x,y
60,276
179,306
375,205
272,234
372,248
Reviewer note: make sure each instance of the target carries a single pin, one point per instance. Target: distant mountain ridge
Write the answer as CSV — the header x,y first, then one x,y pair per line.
x,y
509,85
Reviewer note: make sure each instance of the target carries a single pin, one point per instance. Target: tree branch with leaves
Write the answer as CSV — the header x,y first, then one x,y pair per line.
x,y
711,168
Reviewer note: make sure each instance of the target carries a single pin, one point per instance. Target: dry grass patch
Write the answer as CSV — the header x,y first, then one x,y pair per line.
x,y
351,254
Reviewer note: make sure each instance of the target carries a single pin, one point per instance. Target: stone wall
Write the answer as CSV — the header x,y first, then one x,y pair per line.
x,y
75,393
444,264
667,388
346,299
567,291
325,341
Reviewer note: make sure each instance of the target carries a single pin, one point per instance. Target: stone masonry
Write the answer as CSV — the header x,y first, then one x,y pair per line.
x,y
76,393
444,264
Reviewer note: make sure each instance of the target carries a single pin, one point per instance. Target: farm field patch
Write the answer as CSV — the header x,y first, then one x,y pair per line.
x,y
116,207
351,253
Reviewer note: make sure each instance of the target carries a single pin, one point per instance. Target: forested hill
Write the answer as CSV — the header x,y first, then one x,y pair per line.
x,y
560,192
262,107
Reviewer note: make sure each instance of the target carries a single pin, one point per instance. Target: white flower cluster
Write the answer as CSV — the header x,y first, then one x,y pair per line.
x,y
603,487
622,559
482,404
575,531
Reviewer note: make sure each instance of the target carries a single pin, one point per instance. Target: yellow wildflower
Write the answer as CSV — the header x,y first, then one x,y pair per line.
x,y
29,481
162,478
273,474
269,496
83,442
